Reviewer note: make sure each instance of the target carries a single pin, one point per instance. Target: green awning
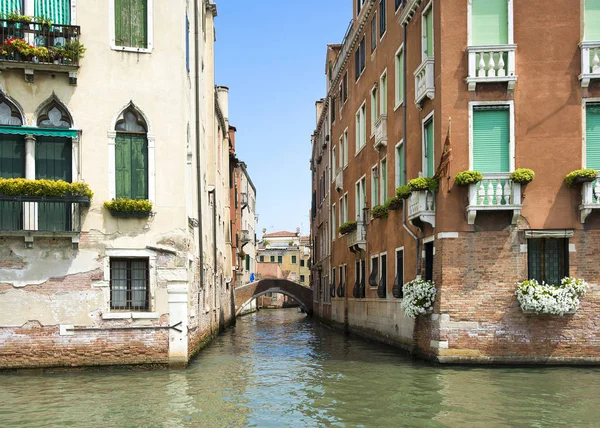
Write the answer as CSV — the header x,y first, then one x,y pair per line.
x,y
46,132
10,6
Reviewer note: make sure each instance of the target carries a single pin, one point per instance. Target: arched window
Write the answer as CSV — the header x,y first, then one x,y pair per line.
x,y
53,154
131,156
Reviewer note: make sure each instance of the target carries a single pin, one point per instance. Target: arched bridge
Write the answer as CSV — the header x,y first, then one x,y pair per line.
x,y
245,293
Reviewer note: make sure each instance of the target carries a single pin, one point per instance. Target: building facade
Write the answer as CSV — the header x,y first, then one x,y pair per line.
x,y
411,75
289,251
145,280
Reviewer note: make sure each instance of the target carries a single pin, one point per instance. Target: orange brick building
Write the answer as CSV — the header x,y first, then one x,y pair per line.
x,y
521,93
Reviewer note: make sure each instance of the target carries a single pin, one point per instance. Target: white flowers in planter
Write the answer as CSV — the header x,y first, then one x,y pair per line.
x,y
551,299
418,299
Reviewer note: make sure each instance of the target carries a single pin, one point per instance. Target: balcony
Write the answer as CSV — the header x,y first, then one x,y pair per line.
x,y
424,82
492,64
496,192
381,132
32,47
357,239
246,238
40,216
590,62
339,180
590,198
244,199
421,206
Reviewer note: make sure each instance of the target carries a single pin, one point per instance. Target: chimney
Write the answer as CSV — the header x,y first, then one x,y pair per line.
x,y
223,100
319,106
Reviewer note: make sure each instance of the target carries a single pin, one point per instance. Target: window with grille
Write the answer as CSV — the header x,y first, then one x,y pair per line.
x,y
548,259
129,287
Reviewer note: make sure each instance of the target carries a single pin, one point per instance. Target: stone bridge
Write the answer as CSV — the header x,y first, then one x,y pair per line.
x,y
245,293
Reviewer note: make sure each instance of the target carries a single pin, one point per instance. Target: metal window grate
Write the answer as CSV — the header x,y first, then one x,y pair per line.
x,y
129,287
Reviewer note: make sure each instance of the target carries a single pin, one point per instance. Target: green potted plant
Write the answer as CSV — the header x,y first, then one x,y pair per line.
x,y
403,192
581,176
16,17
522,176
347,227
379,211
393,204
423,183
124,207
55,54
466,178
74,51
76,192
44,22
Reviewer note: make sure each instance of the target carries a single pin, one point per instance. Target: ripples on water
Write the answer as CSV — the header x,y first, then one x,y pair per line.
x,y
277,369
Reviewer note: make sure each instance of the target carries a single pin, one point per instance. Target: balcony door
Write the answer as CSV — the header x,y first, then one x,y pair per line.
x,y
12,165
53,162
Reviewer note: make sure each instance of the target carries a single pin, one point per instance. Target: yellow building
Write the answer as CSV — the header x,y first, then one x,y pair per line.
x,y
290,251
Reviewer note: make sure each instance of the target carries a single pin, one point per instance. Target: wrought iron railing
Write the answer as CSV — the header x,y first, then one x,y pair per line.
x,y
61,43
41,214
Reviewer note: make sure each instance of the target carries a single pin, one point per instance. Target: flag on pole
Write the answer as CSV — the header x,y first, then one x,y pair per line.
x,y
444,167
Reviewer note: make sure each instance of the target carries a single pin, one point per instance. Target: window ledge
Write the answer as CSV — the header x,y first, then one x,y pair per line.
x,y
398,105
131,315
128,49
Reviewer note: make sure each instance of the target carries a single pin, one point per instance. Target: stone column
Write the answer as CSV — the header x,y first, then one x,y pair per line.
x,y
30,217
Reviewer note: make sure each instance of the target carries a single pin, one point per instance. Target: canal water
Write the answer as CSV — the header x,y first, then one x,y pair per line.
x,y
280,369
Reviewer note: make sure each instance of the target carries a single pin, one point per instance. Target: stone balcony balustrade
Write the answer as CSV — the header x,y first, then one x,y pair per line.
x,y
496,192
492,64
381,135
590,198
424,81
590,62
421,206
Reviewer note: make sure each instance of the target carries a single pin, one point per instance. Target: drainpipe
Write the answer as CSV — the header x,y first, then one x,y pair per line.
x,y
215,266
197,38
405,211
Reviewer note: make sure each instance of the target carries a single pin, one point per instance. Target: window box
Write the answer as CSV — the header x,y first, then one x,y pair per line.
x,y
546,299
130,214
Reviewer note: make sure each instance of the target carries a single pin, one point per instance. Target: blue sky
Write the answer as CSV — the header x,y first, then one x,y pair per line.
x,y
271,55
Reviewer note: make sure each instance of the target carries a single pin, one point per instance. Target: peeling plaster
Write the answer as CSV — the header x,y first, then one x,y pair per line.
x,y
45,263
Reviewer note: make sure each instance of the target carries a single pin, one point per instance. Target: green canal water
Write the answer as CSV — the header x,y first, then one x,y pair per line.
x,y
279,369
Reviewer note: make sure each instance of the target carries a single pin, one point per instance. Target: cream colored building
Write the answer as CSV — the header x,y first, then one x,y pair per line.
x,y
290,251
139,117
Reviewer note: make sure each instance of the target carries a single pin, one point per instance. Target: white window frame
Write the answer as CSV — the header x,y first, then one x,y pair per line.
x,y
345,197
361,125
383,181
333,162
112,136
145,254
379,20
341,158
374,185
372,264
424,165
584,103
333,221
398,97
150,35
359,190
387,264
374,107
397,172
383,95
346,148
428,8
511,25
396,251
511,147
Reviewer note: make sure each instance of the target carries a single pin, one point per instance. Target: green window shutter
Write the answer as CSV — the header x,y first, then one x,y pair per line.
x,y
247,262
123,165
400,75
429,152
592,136
489,22
401,163
592,20
139,167
139,23
12,156
53,158
53,162
491,140
58,11
429,32
121,10
12,165
9,6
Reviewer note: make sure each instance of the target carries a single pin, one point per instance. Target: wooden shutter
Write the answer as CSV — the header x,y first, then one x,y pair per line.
x,y
489,22
429,149
592,136
131,23
247,262
139,167
429,33
491,140
58,11
592,20
121,10
53,162
123,165
12,165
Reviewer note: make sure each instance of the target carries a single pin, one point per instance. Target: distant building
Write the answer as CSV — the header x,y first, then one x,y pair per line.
x,y
290,251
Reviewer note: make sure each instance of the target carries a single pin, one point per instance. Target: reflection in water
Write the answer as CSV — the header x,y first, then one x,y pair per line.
x,y
277,368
